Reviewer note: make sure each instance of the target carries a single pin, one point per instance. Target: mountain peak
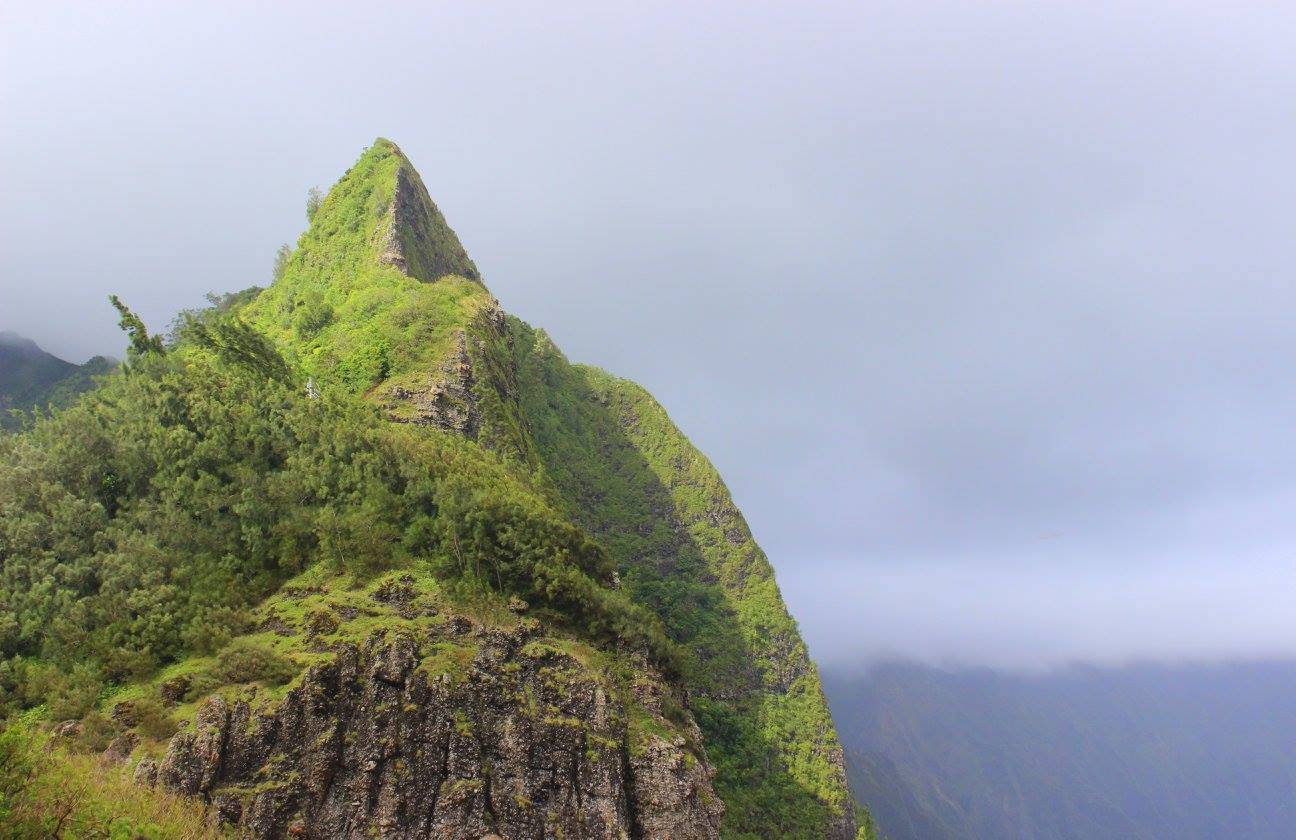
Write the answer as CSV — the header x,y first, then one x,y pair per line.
x,y
32,378
378,284
25,345
410,233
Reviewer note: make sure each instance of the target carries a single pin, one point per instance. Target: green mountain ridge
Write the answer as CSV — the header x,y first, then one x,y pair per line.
x,y
32,379
584,432
502,470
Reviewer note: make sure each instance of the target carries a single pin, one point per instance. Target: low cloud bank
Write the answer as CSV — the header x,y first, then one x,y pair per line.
x,y
1031,618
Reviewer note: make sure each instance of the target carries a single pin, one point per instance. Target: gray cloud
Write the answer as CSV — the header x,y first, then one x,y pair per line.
x,y
982,309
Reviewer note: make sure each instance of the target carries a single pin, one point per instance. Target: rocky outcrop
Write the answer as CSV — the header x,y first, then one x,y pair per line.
x,y
485,732
416,238
448,401
473,392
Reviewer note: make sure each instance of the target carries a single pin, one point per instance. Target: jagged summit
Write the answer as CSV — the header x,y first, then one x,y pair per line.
x,y
380,213
416,238
378,285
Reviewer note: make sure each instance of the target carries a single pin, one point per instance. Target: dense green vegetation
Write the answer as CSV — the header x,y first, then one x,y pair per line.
x,y
346,317
141,525
145,531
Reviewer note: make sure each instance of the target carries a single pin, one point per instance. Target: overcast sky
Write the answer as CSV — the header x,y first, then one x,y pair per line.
x,y
984,310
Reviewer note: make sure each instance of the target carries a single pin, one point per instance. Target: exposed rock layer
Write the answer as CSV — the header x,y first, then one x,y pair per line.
x,y
522,742
447,400
417,239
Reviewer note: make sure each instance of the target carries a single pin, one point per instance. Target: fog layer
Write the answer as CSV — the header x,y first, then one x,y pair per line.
x,y
983,309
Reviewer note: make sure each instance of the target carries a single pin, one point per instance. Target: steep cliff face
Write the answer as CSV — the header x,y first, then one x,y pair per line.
x,y
521,741
416,239
631,477
520,737
424,715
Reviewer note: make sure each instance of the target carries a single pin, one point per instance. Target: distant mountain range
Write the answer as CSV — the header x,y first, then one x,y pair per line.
x,y
32,378
1172,753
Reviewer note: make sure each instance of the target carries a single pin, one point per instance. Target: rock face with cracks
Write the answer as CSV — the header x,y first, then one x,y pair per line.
x,y
492,733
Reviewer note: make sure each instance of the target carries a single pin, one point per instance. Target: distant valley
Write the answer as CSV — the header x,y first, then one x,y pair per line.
x,y
1161,752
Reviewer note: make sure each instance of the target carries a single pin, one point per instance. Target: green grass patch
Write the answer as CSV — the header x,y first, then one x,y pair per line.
x,y
47,791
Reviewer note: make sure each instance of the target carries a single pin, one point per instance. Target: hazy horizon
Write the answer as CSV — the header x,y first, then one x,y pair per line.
x,y
980,309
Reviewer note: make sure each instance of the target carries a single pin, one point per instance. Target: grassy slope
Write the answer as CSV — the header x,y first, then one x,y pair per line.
x,y
322,608
47,791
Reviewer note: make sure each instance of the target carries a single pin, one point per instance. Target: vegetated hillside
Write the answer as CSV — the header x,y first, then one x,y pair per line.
x,y
1189,752
31,379
391,563
628,475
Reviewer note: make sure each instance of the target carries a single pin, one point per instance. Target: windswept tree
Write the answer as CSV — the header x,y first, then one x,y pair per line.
x,y
236,343
283,255
141,343
314,198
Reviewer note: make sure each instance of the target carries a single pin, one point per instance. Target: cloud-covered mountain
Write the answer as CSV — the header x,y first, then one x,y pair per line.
x,y
31,378
1148,752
